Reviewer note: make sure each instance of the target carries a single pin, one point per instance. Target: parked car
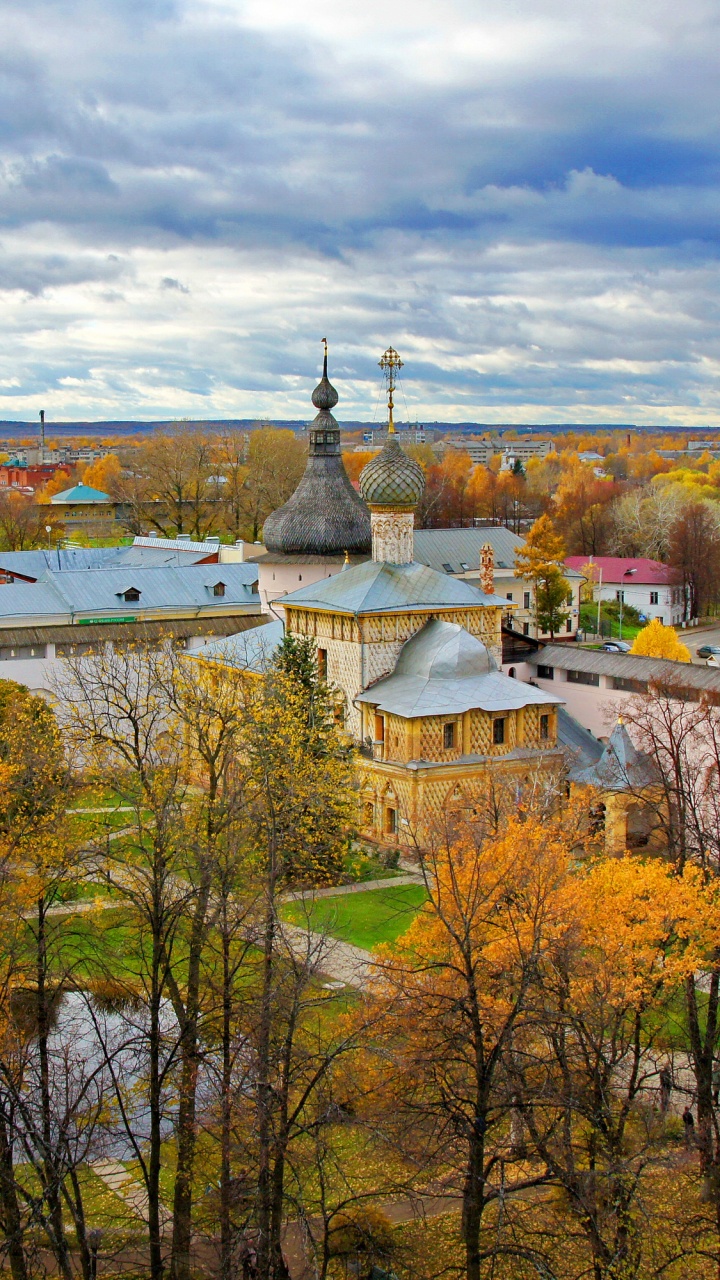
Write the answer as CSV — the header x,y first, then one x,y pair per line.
x,y
708,650
616,646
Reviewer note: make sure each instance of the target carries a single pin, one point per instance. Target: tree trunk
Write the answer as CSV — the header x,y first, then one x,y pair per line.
x,y
12,1228
473,1200
50,1168
225,1109
155,1107
186,1127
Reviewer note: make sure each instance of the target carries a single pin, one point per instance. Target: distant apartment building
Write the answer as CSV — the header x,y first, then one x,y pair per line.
x,y
40,455
481,451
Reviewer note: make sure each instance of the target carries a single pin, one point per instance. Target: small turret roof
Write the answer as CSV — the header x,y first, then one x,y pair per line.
x,y
621,766
80,493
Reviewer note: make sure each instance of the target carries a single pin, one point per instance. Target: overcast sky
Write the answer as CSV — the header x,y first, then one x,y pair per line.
x,y
522,197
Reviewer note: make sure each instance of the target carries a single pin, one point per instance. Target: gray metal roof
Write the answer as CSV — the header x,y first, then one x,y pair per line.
x,y
246,650
175,544
443,670
64,559
374,587
582,747
438,547
100,590
456,547
621,766
626,665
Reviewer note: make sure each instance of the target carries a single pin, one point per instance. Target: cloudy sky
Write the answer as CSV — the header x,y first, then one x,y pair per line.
x,y
522,196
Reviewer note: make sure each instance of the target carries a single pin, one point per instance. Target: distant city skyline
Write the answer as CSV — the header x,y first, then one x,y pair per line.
x,y
523,201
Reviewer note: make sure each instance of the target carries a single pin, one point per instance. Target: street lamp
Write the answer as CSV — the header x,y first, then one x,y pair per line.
x,y
48,530
626,574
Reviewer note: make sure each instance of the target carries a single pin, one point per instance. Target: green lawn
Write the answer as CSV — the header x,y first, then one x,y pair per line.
x,y
365,919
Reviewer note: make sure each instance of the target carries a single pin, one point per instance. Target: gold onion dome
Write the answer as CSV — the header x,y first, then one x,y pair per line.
x,y
392,479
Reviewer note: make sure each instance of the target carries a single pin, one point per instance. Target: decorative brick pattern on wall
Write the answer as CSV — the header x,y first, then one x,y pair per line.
x,y
480,733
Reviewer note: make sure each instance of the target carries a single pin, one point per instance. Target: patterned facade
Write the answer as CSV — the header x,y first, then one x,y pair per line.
x,y
412,771
358,651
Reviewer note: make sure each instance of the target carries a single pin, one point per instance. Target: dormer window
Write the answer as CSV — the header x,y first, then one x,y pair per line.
x,y
217,588
130,595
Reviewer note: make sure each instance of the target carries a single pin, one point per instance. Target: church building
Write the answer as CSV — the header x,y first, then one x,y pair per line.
x,y
414,654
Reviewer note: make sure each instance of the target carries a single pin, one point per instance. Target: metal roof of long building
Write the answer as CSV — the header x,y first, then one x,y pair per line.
x,y
440,547
626,665
99,591
374,587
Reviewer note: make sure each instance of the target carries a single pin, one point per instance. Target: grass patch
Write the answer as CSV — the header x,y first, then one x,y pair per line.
x,y
365,919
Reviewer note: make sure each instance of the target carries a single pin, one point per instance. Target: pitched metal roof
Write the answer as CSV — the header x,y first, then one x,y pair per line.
x,y
627,569
582,747
35,564
438,547
621,767
626,665
80,493
246,650
96,591
374,587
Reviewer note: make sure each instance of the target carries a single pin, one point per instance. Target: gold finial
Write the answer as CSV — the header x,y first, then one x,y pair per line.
x,y
389,363
620,720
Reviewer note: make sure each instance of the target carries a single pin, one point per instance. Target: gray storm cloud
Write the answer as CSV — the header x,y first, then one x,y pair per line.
x,y
191,193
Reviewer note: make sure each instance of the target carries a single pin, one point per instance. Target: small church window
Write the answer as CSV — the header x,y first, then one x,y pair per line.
x,y
322,664
544,727
499,731
390,821
448,736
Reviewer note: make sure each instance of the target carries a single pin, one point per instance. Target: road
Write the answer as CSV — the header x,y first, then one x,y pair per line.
x,y
693,639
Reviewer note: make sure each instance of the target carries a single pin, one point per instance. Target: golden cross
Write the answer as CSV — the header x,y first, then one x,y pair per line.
x,y
389,363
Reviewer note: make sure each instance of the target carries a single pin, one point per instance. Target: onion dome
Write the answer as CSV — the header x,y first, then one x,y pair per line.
x,y
392,479
324,516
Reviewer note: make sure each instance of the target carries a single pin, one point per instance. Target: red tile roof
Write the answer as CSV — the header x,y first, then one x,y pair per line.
x,y
614,569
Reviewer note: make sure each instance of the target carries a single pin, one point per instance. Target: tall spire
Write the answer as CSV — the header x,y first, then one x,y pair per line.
x,y
389,363
324,516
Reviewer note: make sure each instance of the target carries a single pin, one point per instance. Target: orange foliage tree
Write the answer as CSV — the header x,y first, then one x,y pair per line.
x,y
458,989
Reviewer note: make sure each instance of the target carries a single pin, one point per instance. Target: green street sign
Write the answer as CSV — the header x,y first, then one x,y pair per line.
x,y
86,622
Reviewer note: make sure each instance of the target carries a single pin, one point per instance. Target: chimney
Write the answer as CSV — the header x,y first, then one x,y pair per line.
x,y
487,566
239,543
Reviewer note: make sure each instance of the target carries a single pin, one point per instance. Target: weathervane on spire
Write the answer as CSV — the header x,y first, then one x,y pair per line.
x,y
324,342
389,364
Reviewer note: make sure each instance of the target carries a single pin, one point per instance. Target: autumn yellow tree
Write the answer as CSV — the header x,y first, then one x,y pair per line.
x,y
658,641
633,933
538,561
103,473
458,989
